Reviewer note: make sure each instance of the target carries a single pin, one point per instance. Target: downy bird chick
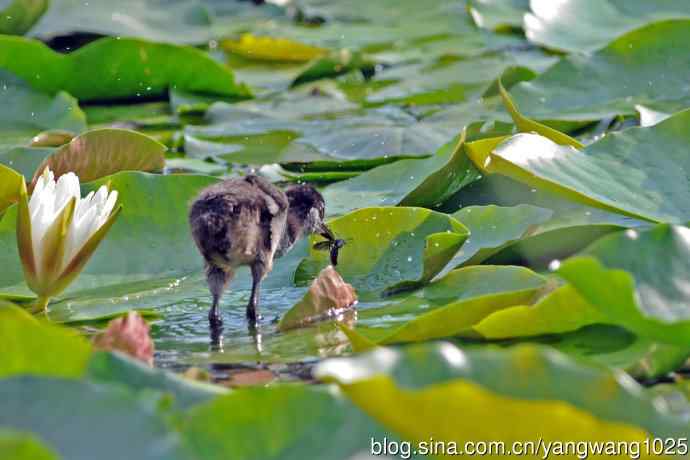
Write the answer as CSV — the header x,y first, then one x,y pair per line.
x,y
249,221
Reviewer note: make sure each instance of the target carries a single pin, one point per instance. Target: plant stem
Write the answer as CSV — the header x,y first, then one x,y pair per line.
x,y
40,305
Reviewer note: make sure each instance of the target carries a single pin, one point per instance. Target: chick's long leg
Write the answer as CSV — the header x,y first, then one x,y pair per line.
x,y
217,279
259,271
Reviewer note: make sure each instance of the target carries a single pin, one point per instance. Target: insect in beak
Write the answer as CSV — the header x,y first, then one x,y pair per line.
x,y
334,245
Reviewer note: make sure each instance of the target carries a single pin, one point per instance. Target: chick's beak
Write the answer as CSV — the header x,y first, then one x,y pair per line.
x,y
326,232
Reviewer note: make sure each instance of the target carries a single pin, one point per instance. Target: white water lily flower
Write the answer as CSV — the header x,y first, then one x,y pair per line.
x,y
58,231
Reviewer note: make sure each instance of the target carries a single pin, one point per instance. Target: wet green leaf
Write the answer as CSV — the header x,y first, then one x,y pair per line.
x,y
637,68
389,248
587,25
305,130
493,228
415,182
616,347
450,306
170,21
636,279
640,185
135,68
562,310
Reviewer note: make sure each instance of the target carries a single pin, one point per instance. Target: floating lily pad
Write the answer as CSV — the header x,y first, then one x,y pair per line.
x,y
265,134
618,348
286,422
450,306
493,228
414,182
637,68
587,25
640,185
412,391
135,68
74,406
29,112
562,310
636,278
389,248
103,152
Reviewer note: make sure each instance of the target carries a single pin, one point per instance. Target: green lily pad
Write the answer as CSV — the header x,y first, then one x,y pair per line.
x,y
174,21
135,68
441,82
20,15
493,228
412,391
617,348
450,306
103,152
620,276
261,134
286,422
15,445
29,346
74,406
414,182
29,112
562,310
637,68
24,160
389,248
633,187
586,25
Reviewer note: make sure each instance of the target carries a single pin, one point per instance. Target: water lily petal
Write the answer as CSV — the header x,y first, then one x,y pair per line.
x,y
53,247
77,263
79,232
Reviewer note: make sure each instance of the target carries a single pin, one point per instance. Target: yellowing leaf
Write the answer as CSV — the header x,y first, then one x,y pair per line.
x,y
272,49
